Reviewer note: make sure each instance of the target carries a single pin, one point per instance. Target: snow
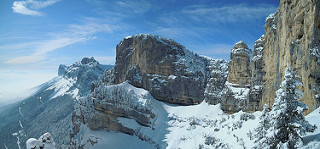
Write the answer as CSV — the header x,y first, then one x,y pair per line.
x,y
192,62
45,142
315,52
271,16
175,126
191,126
61,86
241,51
239,93
20,111
172,77
20,124
163,40
313,139
195,126
18,139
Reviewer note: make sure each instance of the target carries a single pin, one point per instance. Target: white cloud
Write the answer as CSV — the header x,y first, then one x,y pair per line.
x,y
31,7
109,60
233,13
137,6
16,84
215,49
72,35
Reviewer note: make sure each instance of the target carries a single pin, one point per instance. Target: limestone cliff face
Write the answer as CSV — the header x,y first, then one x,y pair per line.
x,y
292,38
239,71
234,95
165,68
257,81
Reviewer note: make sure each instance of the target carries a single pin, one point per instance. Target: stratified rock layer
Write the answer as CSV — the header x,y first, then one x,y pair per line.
x,y
239,70
257,82
292,39
163,67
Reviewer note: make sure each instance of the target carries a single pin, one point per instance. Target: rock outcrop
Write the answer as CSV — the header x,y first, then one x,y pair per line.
x,y
165,68
239,67
292,39
234,95
218,77
118,108
257,82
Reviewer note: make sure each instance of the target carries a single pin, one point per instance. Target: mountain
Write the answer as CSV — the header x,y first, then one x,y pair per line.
x,y
161,95
129,110
50,108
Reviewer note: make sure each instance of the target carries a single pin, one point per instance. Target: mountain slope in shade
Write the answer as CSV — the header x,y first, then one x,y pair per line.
x,y
49,109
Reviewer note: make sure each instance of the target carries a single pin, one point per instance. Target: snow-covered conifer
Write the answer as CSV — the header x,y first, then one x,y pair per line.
x,y
286,119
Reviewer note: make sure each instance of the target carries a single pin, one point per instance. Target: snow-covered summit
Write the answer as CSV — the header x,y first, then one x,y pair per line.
x,y
241,48
81,74
86,64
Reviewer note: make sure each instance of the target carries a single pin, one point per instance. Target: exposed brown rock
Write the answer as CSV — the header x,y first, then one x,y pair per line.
x,y
239,65
292,39
257,81
165,68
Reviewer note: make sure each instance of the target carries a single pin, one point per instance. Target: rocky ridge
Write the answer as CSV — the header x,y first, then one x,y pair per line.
x,y
50,107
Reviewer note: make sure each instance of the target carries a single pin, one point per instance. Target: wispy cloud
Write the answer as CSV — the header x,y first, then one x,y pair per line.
x,y
31,7
137,6
110,60
73,34
232,13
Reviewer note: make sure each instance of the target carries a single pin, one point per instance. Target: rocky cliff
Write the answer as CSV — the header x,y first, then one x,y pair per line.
x,y
257,77
118,108
239,71
165,68
218,77
292,38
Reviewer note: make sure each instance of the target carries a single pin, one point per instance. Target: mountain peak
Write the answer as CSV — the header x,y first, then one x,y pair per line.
x,y
241,48
87,60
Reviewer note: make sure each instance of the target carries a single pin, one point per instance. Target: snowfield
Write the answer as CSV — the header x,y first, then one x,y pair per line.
x,y
196,126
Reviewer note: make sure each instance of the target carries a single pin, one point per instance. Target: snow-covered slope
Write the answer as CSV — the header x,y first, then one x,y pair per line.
x,y
170,126
49,109
313,139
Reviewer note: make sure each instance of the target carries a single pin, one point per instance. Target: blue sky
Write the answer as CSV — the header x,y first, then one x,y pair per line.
x,y
38,35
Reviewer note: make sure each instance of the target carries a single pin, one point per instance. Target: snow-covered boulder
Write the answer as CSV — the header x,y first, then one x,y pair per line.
x,y
83,73
44,142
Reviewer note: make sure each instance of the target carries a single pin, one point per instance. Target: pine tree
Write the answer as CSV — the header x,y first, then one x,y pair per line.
x,y
286,119
263,127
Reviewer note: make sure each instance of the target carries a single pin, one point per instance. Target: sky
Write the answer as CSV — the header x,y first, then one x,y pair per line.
x,y
38,35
